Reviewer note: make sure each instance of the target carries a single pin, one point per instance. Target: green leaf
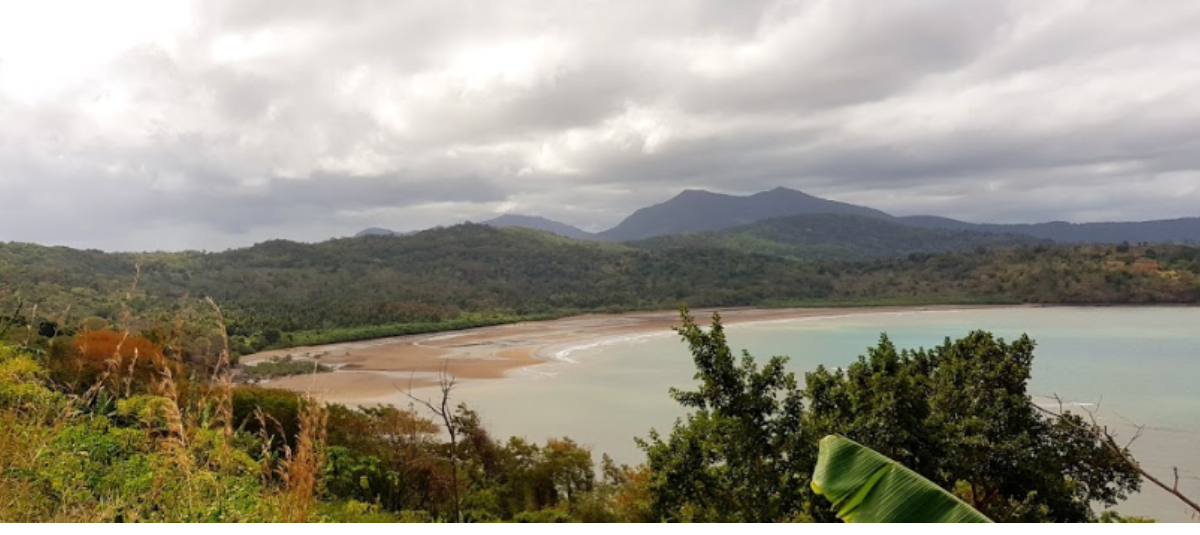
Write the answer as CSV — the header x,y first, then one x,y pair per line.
x,y
867,487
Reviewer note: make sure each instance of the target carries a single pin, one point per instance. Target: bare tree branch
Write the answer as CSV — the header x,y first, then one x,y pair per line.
x,y
1110,441
441,409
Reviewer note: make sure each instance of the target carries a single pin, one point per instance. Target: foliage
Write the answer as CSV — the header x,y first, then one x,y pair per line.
x,y
21,380
837,237
958,415
740,455
150,459
281,293
269,413
352,511
865,486
104,356
1113,517
393,458
279,367
368,332
506,479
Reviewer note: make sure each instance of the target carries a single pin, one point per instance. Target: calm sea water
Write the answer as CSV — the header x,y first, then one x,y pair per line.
x,y
1134,365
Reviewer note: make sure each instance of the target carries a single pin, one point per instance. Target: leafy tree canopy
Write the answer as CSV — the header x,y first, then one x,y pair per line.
x,y
958,414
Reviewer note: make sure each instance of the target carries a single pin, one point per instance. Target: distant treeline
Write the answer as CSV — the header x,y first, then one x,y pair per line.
x,y
285,293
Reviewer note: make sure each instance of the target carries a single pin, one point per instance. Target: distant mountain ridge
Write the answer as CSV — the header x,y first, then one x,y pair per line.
x,y
1182,230
539,223
698,211
837,237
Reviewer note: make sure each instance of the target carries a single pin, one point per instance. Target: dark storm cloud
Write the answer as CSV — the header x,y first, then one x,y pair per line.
x,y
216,124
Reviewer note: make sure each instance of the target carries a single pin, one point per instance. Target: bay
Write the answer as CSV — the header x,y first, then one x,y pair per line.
x,y
1131,366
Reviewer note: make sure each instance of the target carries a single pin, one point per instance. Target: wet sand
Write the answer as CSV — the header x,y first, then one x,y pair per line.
x,y
371,371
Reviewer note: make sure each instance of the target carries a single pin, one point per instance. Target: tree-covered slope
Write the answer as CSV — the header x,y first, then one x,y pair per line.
x,y
1183,230
539,223
426,277
836,236
468,274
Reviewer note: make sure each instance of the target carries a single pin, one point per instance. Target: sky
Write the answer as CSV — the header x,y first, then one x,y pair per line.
x,y
168,125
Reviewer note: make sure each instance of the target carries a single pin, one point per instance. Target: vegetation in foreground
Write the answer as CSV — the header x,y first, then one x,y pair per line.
x,y
151,432
958,414
865,486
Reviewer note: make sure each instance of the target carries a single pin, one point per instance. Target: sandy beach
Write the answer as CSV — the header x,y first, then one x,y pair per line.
x,y
372,370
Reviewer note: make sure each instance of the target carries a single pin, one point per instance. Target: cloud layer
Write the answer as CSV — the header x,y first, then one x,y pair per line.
x,y
148,124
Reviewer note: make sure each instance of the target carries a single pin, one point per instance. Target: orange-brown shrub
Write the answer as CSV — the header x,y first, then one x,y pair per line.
x,y
122,361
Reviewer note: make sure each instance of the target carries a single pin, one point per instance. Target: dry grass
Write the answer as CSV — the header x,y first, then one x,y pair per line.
x,y
189,439
302,466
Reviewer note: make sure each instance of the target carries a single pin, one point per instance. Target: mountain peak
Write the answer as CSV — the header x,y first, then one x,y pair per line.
x,y
539,223
783,192
697,193
699,211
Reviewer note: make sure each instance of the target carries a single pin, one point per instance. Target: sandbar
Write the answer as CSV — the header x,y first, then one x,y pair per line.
x,y
371,371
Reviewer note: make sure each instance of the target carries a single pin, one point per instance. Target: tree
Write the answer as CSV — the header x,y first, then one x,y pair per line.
x,y
48,329
1108,439
741,455
960,414
443,410
568,466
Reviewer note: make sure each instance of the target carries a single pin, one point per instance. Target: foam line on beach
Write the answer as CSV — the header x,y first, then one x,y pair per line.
x,y
563,353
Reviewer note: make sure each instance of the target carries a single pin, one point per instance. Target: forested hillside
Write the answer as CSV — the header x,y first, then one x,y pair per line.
x,y
539,223
1182,230
476,274
836,237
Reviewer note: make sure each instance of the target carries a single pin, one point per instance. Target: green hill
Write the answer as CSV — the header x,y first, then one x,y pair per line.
x,y
471,274
836,237
700,211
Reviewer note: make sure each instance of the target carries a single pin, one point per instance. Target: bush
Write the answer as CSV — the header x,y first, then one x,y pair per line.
x,y
544,516
279,367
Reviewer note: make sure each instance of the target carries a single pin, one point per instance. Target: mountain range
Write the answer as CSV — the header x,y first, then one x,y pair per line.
x,y
699,211
835,237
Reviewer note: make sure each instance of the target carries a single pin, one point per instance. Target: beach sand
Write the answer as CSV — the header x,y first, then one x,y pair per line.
x,y
371,371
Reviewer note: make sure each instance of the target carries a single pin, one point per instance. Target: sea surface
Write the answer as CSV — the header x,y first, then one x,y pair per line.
x,y
1132,366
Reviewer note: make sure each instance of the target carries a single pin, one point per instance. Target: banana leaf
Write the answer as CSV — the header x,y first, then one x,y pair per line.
x,y
865,486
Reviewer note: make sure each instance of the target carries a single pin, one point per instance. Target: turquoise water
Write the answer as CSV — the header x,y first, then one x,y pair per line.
x,y
1133,365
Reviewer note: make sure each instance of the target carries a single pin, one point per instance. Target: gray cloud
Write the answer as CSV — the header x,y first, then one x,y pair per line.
x,y
218,124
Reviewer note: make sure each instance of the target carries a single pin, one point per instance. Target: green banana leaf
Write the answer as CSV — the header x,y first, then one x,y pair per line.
x,y
868,487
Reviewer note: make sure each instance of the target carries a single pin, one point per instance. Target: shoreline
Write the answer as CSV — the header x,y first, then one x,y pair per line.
x,y
506,408
374,371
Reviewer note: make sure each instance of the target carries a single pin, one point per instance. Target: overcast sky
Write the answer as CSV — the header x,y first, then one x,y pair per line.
x,y
140,125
